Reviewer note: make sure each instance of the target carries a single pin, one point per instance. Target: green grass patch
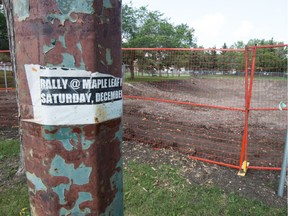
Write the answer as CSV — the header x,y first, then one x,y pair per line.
x,y
270,78
15,200
162,191
159,190
9,148
164,77
156,78
9,79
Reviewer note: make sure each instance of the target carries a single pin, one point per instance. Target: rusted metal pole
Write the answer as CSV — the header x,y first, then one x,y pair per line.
x,y
68,60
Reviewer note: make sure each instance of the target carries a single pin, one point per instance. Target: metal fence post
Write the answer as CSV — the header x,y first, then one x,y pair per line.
x,y
70,91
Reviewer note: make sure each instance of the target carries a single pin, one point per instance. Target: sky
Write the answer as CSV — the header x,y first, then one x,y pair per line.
x,y
225,21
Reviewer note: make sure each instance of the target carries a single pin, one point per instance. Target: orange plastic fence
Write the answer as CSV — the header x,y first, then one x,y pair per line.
x,y
215,105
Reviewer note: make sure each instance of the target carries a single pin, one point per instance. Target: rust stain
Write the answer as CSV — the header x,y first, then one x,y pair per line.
x,y
77,130
51,132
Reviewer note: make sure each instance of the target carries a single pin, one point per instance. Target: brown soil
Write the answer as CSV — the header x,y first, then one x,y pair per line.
x,y
175,131
201,131
8,115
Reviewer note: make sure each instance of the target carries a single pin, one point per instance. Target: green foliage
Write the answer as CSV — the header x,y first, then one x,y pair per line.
x,y
5,57
4,41
144,28
269,59
238,45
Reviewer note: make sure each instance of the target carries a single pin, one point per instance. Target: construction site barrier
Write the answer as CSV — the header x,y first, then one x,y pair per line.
x,y
219,105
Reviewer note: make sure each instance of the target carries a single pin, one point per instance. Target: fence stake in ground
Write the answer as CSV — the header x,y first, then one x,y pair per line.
x,y
285,161
248,94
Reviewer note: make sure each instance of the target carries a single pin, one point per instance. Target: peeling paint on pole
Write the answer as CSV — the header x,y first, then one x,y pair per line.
x,y
21,8
70,90
66,8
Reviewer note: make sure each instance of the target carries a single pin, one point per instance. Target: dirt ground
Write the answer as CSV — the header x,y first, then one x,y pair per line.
x,y
203,131
158,133
175,131
8,115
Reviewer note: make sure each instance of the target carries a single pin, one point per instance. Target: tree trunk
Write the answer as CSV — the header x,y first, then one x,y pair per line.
x,y
132,70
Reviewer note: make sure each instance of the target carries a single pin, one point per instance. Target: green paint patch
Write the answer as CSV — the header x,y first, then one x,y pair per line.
x,y
68,60
67,7
107,4
72,6
60,191
78,176
47,48
36,181
82,64
62,41
66,136
109,59
21,9
79,46
82,197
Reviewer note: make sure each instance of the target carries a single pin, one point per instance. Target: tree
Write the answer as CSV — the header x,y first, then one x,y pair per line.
x,y
148,29
4,41
144,28
269,59
238,45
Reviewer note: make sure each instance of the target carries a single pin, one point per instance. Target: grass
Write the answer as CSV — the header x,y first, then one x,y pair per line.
x,y
13,189
149,78
9,148
163,191
148,190
9,77
15,200
164,77
156,78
